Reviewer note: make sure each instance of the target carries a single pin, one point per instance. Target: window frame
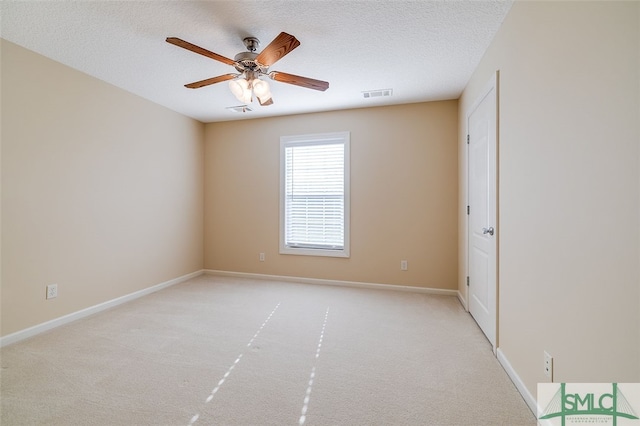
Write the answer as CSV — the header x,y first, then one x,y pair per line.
x,y
317,138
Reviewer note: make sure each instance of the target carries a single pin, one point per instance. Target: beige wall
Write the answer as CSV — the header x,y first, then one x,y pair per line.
x,y
569,188
403,195
102,191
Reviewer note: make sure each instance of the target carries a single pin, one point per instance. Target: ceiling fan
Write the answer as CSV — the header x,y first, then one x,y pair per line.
x,y
251,66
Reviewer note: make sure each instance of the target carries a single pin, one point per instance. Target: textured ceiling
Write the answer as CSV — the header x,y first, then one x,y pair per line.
x,y
423,50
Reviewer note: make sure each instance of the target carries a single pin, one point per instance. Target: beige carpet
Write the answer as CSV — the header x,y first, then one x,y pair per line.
x,y
228,351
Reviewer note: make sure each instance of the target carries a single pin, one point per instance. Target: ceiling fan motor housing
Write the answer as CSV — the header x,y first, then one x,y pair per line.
x,y
246,61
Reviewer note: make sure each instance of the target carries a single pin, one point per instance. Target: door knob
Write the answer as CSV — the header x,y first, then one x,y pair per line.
x,y
489,230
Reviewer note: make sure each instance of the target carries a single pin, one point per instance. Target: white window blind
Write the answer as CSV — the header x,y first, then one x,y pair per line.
x,y
314,210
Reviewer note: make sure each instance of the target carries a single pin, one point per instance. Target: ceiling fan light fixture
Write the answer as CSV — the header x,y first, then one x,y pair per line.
x,y
241,90
262,91
261,88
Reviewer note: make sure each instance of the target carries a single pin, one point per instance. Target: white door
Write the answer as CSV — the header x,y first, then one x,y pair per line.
x,y
482,232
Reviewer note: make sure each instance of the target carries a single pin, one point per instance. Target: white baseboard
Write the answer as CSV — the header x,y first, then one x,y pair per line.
x,y
462,300
45,326
442,292
526,395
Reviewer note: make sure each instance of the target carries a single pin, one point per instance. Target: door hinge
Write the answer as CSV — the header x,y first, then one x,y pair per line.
x,y
467,281
468,210
467,139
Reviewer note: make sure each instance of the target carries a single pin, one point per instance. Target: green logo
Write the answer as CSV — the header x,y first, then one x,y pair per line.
x,y
585,404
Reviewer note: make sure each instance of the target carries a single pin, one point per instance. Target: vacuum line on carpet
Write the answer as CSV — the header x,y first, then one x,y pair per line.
x,y
312,376
226,375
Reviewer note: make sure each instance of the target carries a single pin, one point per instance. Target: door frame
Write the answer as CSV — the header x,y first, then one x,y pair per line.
x,y
492,84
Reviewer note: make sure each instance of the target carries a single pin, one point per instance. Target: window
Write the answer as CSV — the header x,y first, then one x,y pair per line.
x,y
314,194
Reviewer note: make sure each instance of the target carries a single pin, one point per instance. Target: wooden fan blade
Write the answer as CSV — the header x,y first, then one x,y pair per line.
x,y
265,103
197,49
277,49
309,83
209,81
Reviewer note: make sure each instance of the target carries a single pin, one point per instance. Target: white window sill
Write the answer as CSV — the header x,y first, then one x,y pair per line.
x,y
314,252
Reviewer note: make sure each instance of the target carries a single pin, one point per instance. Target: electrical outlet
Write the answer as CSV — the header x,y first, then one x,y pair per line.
x,y
404,266
52,291
548,365
261,257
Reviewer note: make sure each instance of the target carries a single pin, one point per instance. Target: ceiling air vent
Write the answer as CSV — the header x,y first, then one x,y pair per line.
x,y
377,93
240,108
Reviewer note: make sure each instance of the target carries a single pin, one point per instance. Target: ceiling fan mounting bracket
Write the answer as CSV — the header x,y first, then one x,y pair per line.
x,y
251,43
